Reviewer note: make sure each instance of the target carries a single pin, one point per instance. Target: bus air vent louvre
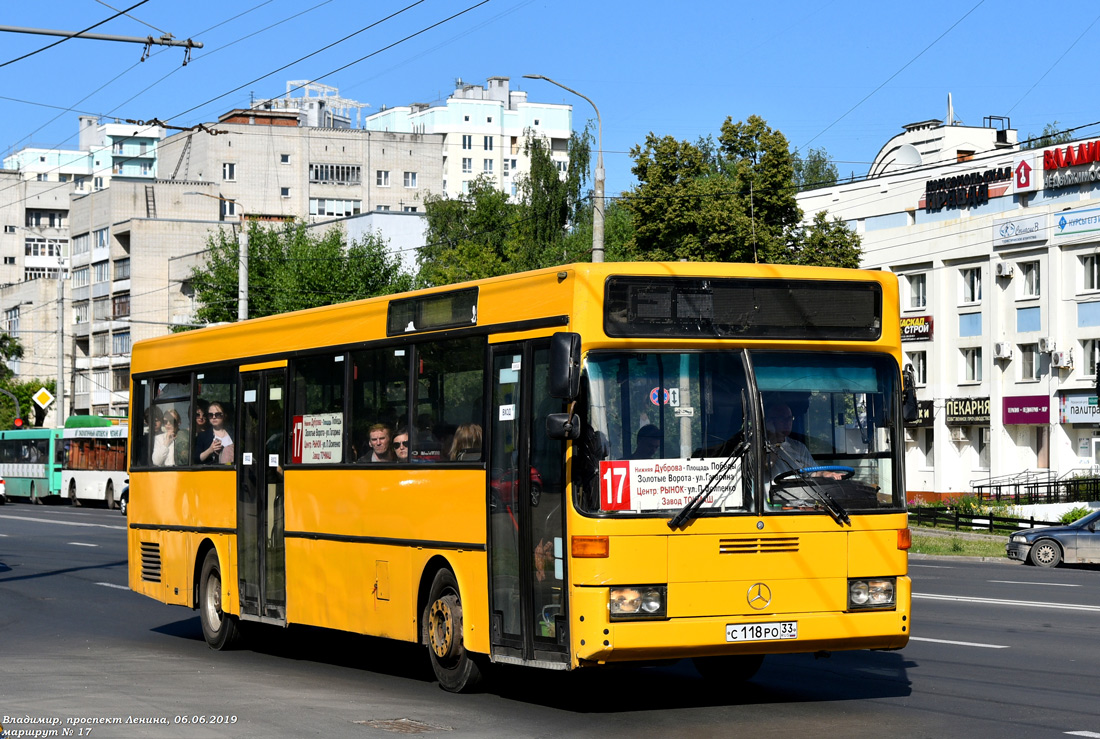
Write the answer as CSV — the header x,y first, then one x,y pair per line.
x,y
758,545
150,561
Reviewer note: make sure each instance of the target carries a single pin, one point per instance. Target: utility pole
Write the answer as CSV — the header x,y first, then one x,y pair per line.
x,y
60,344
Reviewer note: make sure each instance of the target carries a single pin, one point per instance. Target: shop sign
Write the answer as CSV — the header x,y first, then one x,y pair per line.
x,y
966,411
1079,224
924,415
1071,165
916,328
1078,409
1012,231
965,190
1026,410
1024,176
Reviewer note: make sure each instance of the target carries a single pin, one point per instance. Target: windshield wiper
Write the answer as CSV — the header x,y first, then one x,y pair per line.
x,y
693,505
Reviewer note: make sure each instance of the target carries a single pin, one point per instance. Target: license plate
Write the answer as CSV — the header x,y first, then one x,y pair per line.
x,y
770,631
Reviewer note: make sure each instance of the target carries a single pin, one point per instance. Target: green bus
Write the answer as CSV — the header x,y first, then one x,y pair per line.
x,y
30,463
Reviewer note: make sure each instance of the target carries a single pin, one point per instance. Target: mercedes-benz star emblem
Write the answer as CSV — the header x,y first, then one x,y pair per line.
x,y
760,596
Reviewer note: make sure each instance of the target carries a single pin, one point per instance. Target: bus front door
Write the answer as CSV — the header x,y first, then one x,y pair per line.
x,y
261,555
527,510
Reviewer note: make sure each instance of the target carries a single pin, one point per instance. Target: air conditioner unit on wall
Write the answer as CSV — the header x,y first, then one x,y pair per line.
x,y
1062,359
1005,269
1002,350
958,433
1047,344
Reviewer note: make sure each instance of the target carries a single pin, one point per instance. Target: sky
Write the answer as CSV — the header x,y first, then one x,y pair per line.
x,y
844,75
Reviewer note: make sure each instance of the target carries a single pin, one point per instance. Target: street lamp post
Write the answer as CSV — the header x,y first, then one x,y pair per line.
x,y
597,194
242,257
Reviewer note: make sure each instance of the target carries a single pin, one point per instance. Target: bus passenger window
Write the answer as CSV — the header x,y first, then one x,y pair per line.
x,y
379,397
449,394
317,392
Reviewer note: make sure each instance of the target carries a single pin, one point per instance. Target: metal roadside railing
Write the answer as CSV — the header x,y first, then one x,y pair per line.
x,y
936,517
1042,486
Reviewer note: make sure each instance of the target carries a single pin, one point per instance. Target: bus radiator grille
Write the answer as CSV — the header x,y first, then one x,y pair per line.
x,y
150,561
758,545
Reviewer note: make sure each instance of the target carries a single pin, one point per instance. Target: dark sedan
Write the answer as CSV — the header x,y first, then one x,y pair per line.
x,y
1078,542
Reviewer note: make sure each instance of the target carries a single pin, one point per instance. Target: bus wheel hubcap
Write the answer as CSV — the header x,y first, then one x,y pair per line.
x,y
441,626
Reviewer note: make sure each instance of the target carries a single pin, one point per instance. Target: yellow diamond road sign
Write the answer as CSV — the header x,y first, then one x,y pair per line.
x,y
42,398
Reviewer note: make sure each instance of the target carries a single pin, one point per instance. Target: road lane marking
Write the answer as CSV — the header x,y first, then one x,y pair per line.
x,y
1020,582
112,585
64,523
1083,733
959,643
932,567
1002,602
81,544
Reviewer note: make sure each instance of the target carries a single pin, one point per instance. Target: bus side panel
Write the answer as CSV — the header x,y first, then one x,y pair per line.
x,y
358,542
196,506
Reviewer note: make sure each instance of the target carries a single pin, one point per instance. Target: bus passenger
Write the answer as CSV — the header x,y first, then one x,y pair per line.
x,y
203,434
380,439
220,450
401,445
466,446
648,442
170,445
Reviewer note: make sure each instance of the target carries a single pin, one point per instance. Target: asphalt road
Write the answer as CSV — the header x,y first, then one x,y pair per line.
x,y
998,649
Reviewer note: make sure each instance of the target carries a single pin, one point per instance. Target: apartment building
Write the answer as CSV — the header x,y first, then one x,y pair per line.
x,y
997,252
483,131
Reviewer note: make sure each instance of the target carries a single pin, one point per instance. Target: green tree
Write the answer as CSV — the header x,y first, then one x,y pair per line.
x,y
291,267
1052,135
10,348
23,392
733,201
827,243
815,170
484,233
468,237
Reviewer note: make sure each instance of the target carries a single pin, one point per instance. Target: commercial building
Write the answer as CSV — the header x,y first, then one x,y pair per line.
x,y
997,252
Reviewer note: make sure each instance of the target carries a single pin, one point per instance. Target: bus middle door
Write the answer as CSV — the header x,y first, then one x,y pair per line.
x,y
261,554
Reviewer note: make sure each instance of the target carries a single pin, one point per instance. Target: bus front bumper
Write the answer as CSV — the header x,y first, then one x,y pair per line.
x,y
599,640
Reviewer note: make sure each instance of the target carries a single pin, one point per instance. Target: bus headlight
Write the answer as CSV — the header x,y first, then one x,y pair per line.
x,y
637,602
878,592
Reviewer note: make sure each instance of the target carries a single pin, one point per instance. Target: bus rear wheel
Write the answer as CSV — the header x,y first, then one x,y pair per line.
x,y
455,668
218,628
72,493
34,496
736,668
109,495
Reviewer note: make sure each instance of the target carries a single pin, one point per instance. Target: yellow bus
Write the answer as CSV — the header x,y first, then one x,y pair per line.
x,y
565,468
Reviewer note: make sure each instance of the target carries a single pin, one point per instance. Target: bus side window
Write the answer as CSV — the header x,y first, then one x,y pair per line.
x,y
379,394
450,391
318,390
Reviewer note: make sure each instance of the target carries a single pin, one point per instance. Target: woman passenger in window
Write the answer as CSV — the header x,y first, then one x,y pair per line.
x,y
401,445
466,446
379,437
203,434
170,445
220,450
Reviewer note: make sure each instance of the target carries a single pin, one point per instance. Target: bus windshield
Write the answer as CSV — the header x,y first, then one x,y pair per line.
x,y
660,427
830,425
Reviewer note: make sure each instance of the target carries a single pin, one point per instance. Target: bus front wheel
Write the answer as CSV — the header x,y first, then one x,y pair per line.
x,y
218,628
455,668
109,495
732,669
72,493
34,496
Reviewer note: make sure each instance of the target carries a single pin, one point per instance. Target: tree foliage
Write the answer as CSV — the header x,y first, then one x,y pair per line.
x,y
730,201
485,233
814,170
10,348
291,267
1052,135
32,415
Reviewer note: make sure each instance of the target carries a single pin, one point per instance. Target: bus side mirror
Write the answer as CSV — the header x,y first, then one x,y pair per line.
x,y
565,365
563,426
